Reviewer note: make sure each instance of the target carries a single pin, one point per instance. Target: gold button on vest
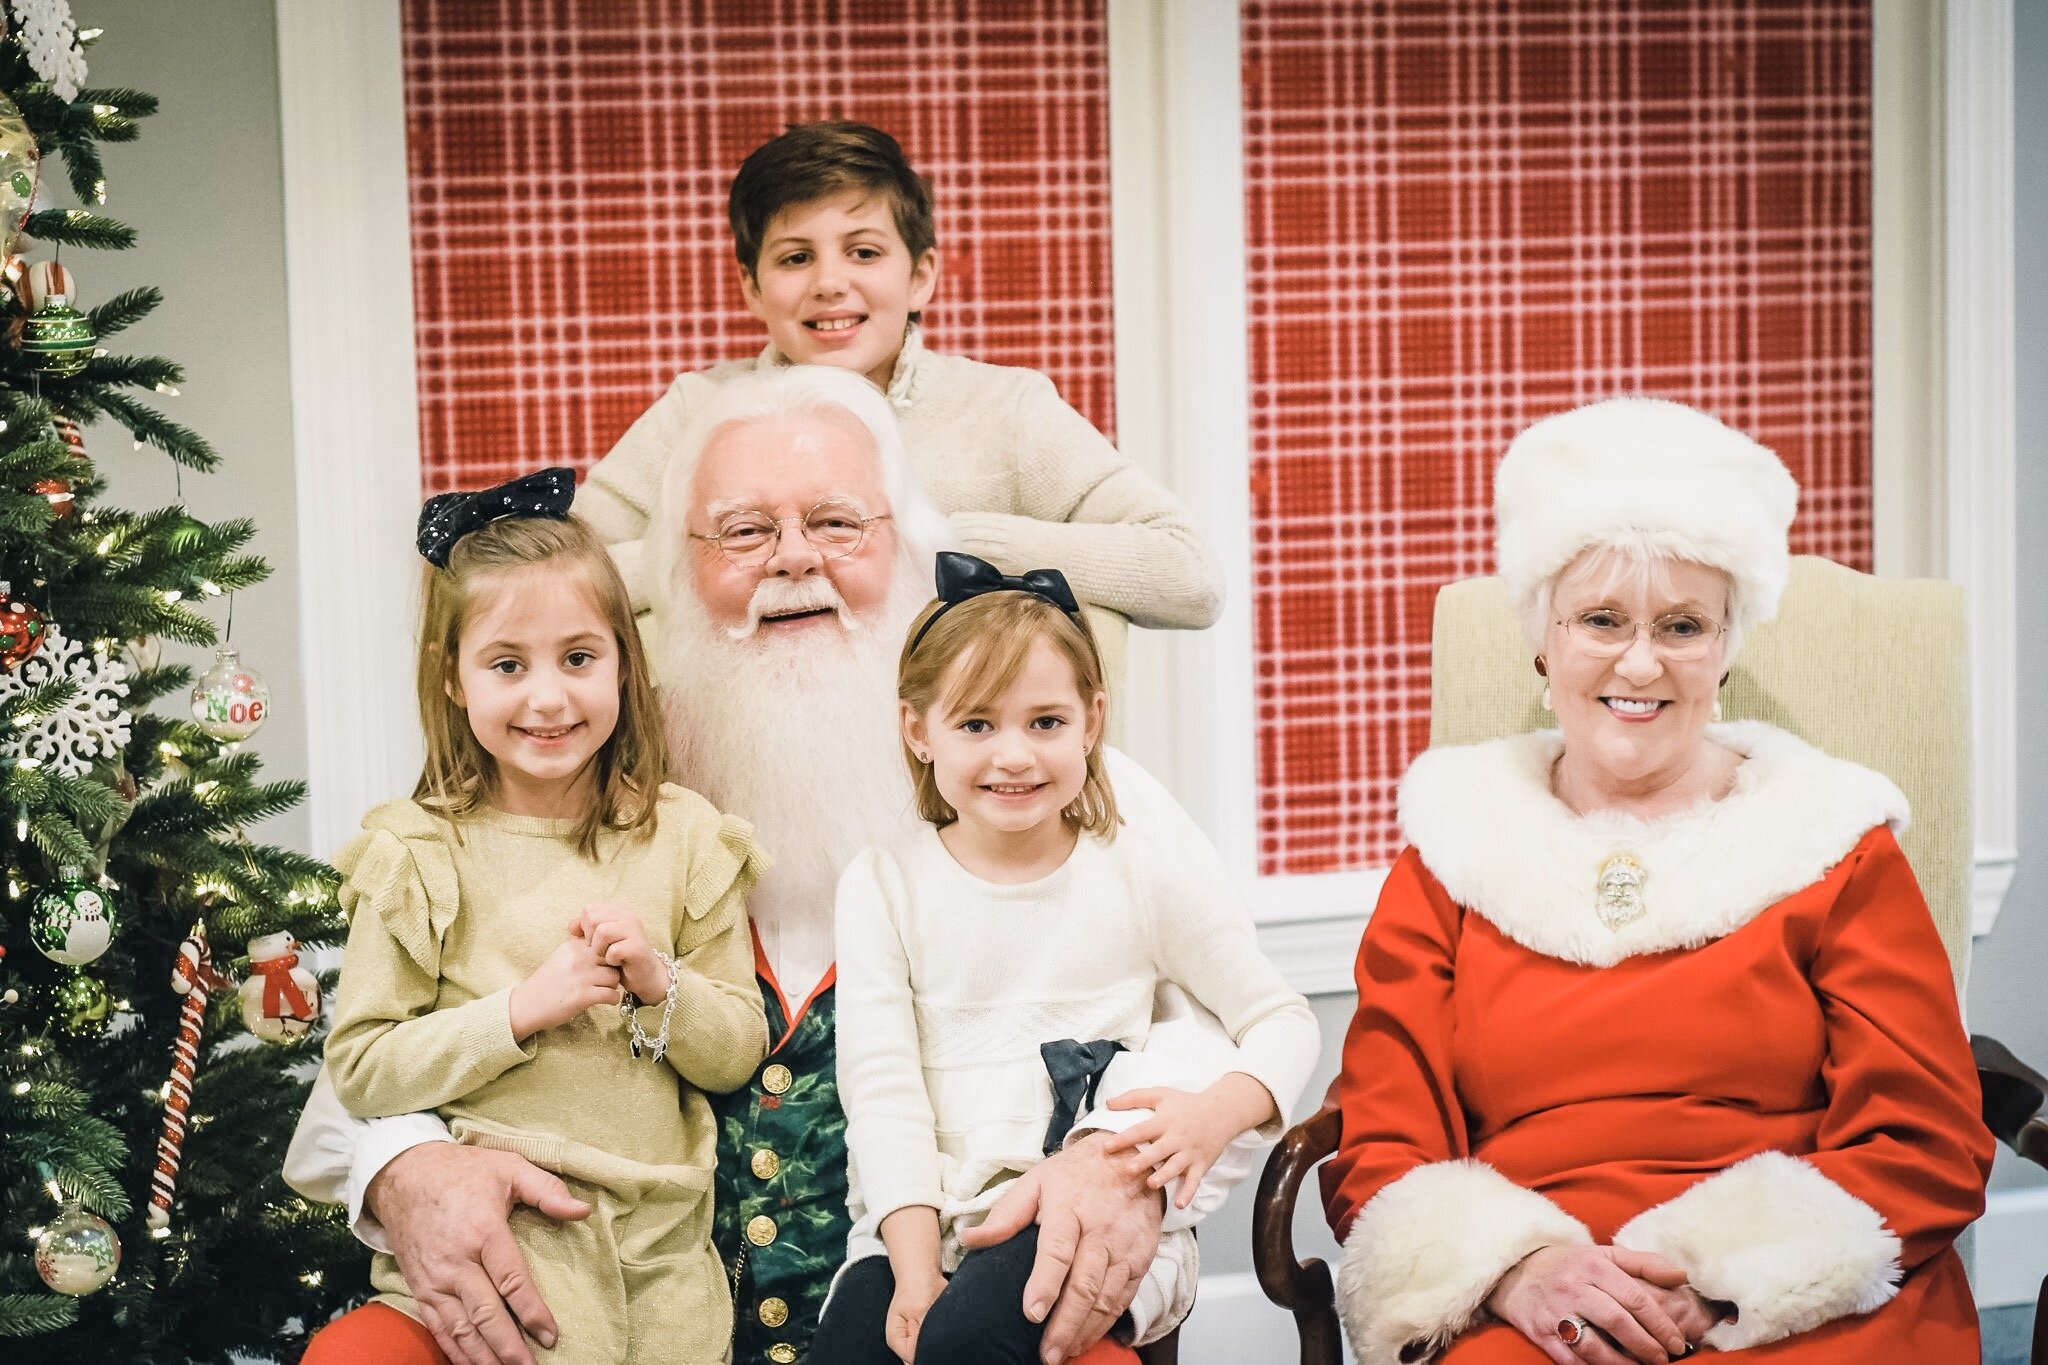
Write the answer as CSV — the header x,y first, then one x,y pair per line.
x,y
776,1079
782,1353
761,1230
773,1312
765,1164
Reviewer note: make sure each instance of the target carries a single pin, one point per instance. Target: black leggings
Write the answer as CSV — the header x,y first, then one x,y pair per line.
x,y
977,1320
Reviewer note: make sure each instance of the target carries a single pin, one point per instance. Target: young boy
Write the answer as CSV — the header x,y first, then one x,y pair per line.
x,y
838,258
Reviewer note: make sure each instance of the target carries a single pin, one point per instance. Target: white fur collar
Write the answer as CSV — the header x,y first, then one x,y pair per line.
x,y
1485,823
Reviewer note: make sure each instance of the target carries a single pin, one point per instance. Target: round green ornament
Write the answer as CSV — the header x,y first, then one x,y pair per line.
x,y
58,339
72,922
81,1006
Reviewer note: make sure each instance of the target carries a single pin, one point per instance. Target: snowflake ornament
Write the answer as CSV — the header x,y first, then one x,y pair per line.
x,y
50,38
93,725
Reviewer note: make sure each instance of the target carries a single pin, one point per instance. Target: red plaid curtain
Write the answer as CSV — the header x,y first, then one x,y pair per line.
x,y
1462,216
568,163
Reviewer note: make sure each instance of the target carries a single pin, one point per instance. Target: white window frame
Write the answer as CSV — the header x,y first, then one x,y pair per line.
x,y
1943,306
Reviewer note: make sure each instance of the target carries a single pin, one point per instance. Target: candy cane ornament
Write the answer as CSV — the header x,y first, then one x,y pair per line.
x,y
194,977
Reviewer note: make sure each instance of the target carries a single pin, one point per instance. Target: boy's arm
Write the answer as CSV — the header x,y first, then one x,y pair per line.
x,y
618,492
1119,536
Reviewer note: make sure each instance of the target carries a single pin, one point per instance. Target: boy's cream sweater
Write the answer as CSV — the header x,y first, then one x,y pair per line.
x,y
1027,481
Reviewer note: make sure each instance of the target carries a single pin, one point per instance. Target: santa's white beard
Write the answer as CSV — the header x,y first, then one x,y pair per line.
x,y
797,734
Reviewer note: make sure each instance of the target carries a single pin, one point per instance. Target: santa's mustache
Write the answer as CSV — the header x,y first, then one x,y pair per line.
x,y
790,597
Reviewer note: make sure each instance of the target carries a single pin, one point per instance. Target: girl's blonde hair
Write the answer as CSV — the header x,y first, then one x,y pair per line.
x,y
990,637
460,774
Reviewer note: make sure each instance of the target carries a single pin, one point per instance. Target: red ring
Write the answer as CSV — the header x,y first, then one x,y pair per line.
x,y
1570,1330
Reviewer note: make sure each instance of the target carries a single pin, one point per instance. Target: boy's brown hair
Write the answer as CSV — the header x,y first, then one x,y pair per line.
x,y
990,637
813,161
459,773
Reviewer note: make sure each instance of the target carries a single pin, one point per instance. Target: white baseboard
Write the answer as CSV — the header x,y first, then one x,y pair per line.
x,y
2011,1255
1234,1323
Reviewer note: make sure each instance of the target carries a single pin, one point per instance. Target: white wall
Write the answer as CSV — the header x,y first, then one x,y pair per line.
x,y
204,189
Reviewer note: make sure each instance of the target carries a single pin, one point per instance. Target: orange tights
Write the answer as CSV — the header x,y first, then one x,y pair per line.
x,y
377,1335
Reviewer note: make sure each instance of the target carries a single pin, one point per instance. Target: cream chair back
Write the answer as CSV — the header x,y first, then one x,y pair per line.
x,y
1872,670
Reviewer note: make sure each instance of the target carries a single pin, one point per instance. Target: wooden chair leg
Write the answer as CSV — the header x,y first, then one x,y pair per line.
x,y
1165,1351
2040,1351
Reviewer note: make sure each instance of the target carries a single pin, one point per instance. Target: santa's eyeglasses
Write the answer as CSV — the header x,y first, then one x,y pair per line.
x,y
835,528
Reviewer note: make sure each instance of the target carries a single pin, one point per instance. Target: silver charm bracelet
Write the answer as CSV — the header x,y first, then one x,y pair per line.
x,y
657,1046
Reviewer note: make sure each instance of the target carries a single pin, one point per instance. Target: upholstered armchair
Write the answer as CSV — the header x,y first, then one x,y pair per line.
x,y
1871,670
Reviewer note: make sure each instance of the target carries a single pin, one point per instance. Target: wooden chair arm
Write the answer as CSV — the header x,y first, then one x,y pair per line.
x,y
1294,1285
2013,1096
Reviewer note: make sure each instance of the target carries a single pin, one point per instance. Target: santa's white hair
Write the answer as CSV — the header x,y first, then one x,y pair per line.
x,y
796,733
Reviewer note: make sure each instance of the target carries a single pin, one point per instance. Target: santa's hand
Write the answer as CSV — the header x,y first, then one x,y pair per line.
x,y
444,1208
1098,1230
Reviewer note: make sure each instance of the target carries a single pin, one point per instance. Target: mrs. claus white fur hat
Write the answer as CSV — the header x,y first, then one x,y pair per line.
x,y
1652,474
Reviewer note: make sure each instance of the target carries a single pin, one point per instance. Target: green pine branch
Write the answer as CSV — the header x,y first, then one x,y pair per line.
x,y
29,1315
77,227
124,310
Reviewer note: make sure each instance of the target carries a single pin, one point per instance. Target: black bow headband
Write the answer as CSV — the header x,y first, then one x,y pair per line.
x,y
962,577
448,517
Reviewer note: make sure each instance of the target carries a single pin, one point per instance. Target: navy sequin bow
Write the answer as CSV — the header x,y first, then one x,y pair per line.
x,y
962,577
448,517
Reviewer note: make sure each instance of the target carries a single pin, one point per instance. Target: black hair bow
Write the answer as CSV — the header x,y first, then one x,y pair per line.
x,y
448,517
961,577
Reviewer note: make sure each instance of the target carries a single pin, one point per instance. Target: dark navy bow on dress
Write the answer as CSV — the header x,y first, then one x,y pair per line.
x,y
962,577
448,517
1076,1069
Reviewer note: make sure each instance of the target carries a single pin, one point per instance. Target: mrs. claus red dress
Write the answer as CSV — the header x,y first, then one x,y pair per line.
x,y
1763,1078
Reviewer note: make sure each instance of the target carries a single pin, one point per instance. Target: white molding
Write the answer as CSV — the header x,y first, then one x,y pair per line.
x,y
1309,927
1149,710
1907,490
348,263
1990,878
1978,280
1202,213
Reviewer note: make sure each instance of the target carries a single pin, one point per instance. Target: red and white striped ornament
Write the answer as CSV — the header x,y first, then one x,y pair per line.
x,y
194,977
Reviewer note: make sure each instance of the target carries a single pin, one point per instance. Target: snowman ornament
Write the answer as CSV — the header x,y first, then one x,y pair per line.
x,y
281,999
71,923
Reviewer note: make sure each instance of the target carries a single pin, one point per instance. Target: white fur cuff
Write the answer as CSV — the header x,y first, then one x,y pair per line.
x,y
1787,1246
1427,1250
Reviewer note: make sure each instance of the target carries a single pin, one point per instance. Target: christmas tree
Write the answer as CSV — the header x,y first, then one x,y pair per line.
x,y
139,1102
